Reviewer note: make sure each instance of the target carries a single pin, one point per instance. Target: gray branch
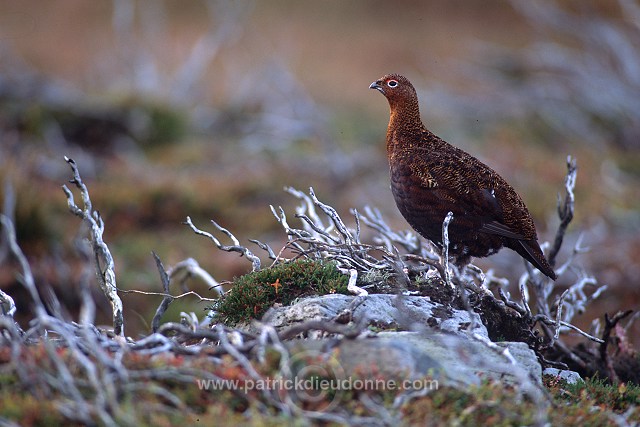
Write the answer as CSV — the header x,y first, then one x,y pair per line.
x,y
106,275
166,300
236,247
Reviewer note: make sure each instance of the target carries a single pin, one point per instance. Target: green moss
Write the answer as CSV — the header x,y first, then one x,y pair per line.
x,y
254,293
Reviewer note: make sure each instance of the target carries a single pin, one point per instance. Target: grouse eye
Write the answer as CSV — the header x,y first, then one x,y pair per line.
x,y
392,83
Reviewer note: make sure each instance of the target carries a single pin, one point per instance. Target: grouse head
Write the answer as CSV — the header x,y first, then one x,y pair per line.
x,y
396,88
403,101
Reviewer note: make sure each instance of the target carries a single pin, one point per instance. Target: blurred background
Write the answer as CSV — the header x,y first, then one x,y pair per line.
x,y
209,108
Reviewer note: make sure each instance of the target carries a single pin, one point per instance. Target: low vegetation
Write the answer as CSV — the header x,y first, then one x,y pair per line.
x,y
198,370
251,295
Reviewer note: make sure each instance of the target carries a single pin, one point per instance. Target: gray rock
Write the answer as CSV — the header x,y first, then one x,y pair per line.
x,y
571,377
449,359
380,310
525,357
419,338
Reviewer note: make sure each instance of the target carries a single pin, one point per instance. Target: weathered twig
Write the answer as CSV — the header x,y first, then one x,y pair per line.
x,y
445,247
106,276
351,285
236,247
550,322
173,297
559,315
435,263
330,241
522,284
7,306
409,241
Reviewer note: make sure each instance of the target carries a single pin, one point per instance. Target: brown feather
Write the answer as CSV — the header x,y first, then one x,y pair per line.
x,y
430,177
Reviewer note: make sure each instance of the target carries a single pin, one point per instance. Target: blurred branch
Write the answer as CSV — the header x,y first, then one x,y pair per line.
x,y
565,208
579,80
8,209
166,299
27,276
7,305
226,24
609,324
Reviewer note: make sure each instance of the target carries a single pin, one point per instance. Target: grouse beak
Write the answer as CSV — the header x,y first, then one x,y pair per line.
x,y
376,85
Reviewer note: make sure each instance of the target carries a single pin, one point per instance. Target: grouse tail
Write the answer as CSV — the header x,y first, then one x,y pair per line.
x,y
530,250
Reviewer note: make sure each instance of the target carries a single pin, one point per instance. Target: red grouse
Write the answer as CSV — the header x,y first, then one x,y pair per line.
x,y
430,177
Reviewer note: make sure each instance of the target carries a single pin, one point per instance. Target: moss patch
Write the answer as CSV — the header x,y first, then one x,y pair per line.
x,y
254,293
